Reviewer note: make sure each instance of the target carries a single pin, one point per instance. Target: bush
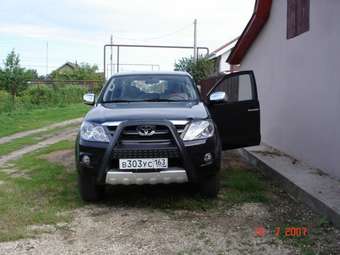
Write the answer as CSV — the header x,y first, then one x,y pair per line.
x,y
6,104
45,95
42,95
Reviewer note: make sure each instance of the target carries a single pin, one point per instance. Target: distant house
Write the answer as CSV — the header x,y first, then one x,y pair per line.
x,y
220,56
68,66
293,46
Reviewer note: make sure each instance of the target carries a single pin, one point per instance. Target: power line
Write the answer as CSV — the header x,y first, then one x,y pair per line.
x,y
157,37
42,65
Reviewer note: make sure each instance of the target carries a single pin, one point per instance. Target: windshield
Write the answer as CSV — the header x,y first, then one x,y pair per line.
x,y
139,88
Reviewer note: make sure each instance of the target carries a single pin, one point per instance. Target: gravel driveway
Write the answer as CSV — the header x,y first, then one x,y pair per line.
x,y
127,224
107,230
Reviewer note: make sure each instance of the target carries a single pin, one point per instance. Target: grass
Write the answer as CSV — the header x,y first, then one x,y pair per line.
x,y
16,144
14,122
40,197
46,191
19,143
242,186
237,187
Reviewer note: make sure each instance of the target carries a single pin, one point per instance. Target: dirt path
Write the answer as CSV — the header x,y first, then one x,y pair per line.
x,y
127,227
68,133
124,224
119,230
9,138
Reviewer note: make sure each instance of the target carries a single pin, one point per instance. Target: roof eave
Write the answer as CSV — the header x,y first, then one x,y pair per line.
x,y
258,20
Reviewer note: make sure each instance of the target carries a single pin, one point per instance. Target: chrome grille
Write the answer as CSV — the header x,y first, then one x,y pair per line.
x,y
162,134
130,135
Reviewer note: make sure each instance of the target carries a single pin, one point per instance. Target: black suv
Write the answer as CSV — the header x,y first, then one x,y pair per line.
x,y
150,128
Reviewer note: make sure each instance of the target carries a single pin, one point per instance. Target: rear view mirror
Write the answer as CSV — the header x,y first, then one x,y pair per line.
x,y
218,97
89,98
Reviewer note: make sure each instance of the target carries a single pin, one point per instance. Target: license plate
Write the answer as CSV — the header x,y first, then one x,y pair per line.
x,y
143,163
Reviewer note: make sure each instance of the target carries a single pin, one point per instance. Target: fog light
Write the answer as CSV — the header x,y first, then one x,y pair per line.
x,y
86,160
207,157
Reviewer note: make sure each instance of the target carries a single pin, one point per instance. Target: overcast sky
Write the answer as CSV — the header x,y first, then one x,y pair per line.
x,y
76,30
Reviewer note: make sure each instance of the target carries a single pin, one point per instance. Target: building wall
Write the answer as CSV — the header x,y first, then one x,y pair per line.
x,y
224,66
299,85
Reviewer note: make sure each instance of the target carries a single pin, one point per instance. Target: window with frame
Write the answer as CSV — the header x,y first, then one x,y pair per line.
x,y
237,89
297,17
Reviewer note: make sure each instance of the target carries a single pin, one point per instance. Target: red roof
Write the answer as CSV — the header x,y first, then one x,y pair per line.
x,y
252,30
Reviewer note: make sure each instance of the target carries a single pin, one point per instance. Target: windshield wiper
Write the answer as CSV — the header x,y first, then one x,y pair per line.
x,y
117,101
159,100
138,101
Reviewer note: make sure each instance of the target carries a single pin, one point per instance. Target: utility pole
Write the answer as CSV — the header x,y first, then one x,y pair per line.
x,y
111,64
195,40
46,58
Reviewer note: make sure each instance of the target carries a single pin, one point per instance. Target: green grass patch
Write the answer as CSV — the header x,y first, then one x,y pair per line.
x,y
40,197
50,191
19,143
237,187
9,147
243,186
17,121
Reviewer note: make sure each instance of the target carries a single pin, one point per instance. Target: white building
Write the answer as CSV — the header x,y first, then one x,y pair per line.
x,y
220,56
293,46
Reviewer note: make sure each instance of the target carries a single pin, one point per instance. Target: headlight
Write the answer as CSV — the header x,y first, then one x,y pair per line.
x,y
199,130
93,132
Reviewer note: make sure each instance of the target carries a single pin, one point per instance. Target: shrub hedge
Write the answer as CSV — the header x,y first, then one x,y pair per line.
x,y
40,96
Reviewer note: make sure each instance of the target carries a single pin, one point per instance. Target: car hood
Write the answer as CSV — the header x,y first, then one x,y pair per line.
x,y
147,111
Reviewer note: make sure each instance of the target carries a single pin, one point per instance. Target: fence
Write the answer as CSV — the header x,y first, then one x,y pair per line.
x,y
92,85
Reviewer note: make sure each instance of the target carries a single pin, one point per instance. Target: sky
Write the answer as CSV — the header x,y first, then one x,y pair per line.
x,y
47,33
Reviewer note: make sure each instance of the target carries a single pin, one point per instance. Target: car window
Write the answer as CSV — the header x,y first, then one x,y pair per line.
x,y
150,87
237,88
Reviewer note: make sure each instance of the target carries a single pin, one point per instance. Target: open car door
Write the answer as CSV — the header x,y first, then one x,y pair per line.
x,y
234,106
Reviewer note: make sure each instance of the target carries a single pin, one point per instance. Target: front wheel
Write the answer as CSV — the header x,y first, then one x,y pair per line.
x,y
89,190
210,186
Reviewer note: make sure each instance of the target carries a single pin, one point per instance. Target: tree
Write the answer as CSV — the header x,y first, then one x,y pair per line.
x,y
13,78
199,70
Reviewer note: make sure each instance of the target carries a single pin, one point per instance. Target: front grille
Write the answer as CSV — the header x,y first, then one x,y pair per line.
x,y
161,144
145,153
162,135
130,135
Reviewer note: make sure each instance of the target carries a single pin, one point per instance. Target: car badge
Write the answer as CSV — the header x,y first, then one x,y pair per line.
x,y
146,130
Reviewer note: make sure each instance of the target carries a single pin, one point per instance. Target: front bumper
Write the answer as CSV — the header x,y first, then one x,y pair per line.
x,y
186,159
161,177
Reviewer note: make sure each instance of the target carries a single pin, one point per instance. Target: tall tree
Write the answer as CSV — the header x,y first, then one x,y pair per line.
x,y
13,78
199,70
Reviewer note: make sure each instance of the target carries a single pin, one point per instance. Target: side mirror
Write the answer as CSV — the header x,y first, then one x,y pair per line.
x,y
89,98
218,97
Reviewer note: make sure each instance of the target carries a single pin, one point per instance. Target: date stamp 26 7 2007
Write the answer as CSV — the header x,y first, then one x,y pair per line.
x,y
291,231
287,231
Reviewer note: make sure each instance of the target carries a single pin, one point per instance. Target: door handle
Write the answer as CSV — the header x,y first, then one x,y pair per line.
x,y
254,110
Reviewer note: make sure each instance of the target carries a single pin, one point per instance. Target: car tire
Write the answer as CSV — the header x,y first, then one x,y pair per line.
x,y
89,190
210,186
